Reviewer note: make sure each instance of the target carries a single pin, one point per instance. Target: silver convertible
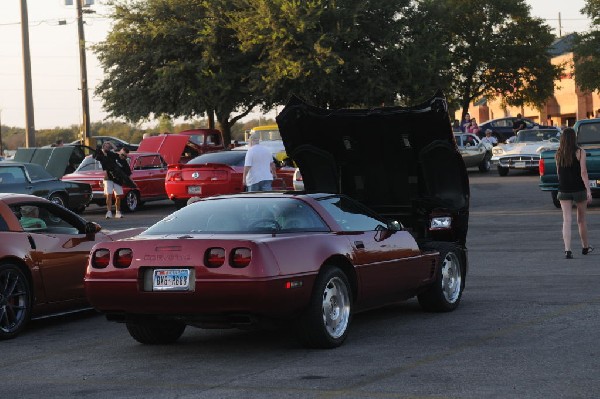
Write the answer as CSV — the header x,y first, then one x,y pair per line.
x,y
474,151
524,152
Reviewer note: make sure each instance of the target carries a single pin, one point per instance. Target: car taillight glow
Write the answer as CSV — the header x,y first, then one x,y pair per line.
x,y
542,167
241,257
100,258
123,258
174,176
214,257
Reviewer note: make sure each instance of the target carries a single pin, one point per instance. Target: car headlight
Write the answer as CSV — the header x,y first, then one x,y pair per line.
x,y
440,223
497,151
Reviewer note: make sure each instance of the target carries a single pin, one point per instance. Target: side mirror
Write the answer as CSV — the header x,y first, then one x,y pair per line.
x,y
91,228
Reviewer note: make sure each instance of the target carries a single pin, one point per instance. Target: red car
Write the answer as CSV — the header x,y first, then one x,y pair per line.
x,y
215,173
44,252
148,171
185,146
314,258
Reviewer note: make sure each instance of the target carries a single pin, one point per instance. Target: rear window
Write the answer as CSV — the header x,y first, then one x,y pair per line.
x,y
36,172
231,158
241,215
588,133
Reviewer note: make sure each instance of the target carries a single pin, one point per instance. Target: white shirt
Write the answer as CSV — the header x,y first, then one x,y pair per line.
x,y
259,158
492,140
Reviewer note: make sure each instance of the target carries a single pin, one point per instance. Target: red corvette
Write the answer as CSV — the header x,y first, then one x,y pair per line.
x,y
215,173
315,258
44,250
148,171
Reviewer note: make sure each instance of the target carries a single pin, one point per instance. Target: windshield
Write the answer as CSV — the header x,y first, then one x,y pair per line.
x,y
241,215
88,164
532,136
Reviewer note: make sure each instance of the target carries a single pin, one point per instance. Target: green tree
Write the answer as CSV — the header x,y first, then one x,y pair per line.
x,y
176,58
330,52
586,52
497,49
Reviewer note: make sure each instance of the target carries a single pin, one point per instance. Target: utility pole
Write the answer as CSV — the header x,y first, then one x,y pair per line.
x,y
29,117
559,25
83,71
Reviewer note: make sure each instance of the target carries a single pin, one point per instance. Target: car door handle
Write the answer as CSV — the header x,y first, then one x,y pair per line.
x,y
359,245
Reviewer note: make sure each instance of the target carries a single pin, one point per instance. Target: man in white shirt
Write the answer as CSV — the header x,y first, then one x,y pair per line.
x,y
259,168
489,138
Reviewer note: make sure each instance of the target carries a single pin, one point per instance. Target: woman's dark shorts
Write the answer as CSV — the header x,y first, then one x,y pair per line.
x,y
576,196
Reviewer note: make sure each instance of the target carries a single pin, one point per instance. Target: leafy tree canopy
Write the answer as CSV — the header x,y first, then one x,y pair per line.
x,y
176,58
586,53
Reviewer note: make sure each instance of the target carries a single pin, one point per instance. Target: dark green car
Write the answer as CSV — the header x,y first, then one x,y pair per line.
x,y
30,178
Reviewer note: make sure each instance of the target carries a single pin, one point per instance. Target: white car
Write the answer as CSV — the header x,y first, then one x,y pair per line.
x,y
524,152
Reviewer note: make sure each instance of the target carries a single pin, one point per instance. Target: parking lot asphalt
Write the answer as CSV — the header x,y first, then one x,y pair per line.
x,y
528,327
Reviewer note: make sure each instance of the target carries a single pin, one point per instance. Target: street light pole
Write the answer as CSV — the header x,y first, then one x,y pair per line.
x,y
29,117
83,71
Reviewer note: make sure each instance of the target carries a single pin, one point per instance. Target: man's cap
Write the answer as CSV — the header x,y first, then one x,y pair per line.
x,y
488,131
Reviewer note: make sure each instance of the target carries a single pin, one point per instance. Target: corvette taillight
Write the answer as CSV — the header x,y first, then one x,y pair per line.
x,y
542,167
241,257
214,257
100,258
123,258
175,175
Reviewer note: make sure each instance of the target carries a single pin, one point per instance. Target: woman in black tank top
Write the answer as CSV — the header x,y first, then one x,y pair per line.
x,y
573,186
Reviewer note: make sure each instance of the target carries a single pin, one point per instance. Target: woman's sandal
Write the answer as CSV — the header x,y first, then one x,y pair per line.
x,y
587,250
568,255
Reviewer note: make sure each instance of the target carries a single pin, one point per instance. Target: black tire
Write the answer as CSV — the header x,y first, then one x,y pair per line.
x,y
325,323
179,203
58,199
445,293
502,171
555,199
486,164
15,301
131,202
156,332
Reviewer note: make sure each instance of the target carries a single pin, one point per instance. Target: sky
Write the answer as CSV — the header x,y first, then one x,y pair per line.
x,y
55,56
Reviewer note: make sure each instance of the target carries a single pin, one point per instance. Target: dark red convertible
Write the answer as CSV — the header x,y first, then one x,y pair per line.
x,y
44,250
383,219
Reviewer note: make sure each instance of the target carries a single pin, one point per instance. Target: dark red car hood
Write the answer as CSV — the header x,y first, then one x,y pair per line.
x,y
388,158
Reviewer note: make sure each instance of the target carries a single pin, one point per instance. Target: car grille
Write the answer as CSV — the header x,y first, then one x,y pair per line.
x,y
520,161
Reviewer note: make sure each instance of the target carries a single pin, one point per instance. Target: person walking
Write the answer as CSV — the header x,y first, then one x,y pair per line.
x,y
110,163
259,168
573,187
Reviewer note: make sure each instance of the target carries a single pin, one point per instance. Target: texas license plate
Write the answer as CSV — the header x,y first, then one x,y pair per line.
x,y
519,164
171,280
593,183
194,190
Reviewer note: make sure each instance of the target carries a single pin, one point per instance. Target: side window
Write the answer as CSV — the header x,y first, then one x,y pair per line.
x,y
46,218
3,224
213,139
350,215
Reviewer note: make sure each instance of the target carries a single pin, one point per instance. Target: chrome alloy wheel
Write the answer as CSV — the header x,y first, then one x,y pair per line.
x,y
14,300
336,307
451,277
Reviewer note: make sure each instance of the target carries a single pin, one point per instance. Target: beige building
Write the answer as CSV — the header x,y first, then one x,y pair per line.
x,y
567,105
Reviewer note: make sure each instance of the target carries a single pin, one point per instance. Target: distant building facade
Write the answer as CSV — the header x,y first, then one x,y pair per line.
x,y
567,105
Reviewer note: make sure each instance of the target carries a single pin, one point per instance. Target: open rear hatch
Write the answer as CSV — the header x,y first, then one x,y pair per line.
x,y
400,161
